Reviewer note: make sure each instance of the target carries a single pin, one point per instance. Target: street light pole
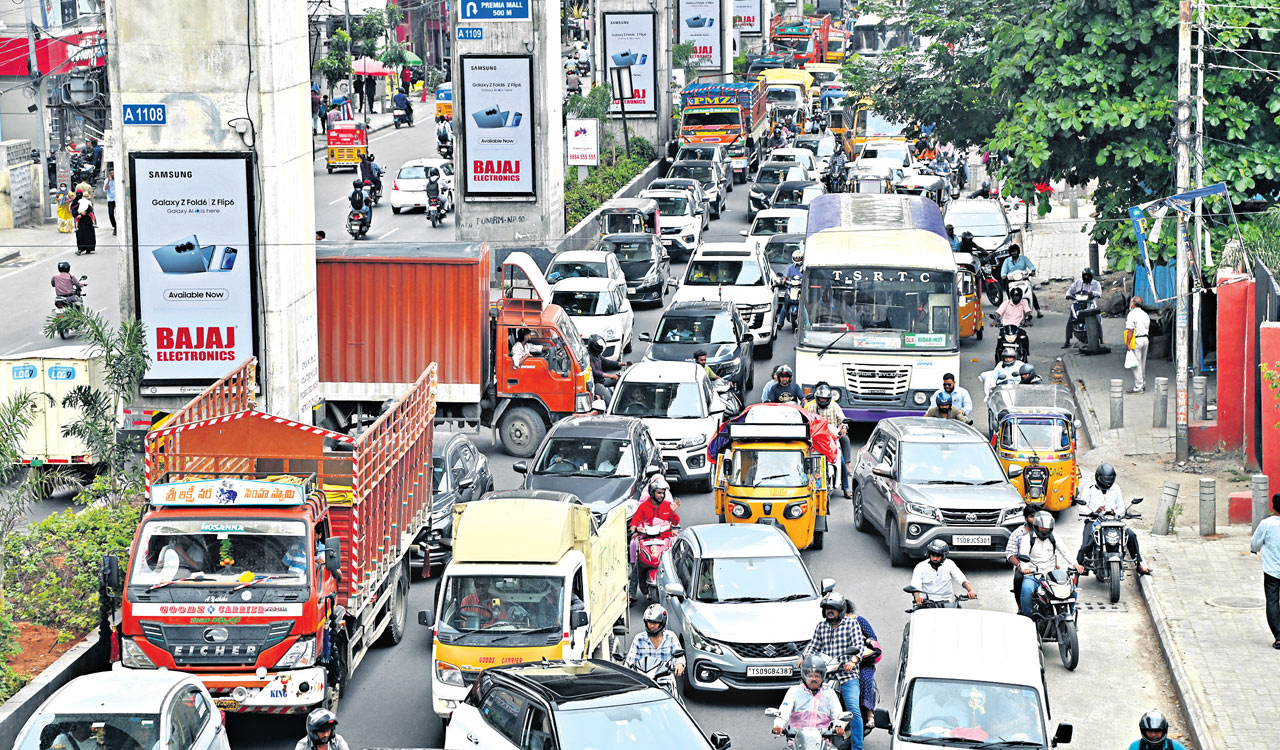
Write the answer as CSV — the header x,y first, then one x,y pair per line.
x,y
37,83
351,90
1182,119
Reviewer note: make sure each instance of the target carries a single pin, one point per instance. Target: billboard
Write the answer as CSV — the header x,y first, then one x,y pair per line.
x,y
582,141
495,97
748,16
700,24
630,41
195,260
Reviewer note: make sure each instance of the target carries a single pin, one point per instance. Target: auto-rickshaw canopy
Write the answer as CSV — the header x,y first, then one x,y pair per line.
x,y
777,422
629,216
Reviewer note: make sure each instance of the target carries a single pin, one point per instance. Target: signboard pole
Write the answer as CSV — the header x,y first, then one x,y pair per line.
x,y
37,80
622,90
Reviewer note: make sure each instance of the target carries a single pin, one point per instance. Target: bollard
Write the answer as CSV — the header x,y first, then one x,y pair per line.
x,y
1261,495
1160,412
1075,208
1199,398
1208,506
1094,260
1117,404
1164,511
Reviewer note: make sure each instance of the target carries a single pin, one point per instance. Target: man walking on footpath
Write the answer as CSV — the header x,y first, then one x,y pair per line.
x,y
111,196
1136,326
1267,541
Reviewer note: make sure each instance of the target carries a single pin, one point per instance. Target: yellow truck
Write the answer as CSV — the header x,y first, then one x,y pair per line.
x,y
534,575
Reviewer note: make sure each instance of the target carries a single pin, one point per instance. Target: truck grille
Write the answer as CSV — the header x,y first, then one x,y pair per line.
x,y
768,650
878,384
971,517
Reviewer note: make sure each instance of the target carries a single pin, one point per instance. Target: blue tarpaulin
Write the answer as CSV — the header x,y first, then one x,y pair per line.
x,y
1165,286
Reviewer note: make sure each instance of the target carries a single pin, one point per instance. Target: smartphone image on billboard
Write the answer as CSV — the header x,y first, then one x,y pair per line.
x,y
699,22
515,121
224,260
492,117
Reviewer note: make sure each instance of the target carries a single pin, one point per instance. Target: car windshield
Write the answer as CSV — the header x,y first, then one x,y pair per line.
x,y
768,468
438,474
672,206
726,579
781,252
659,400
412,173
628,250
1035,434
782,95
632,725
501,604
771,175
619,222
968,710
689,172
788,197
221,552
882,152
711,119
593,457
955,462
768,225
714,272
96,730
586,303
880,308
577,269
793,156
695,152
981,224
695,329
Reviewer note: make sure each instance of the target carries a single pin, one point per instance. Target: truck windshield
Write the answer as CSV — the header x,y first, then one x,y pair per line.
x,y
92,731
587,457
221,551
659,400
712,119
586,303
725,579
783,95
768,468
800,45
884,309
939,708
502,604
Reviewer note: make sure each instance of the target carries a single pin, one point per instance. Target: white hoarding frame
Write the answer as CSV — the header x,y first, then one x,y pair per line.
x,y
749,9
632,37
583,141
701,22
501,140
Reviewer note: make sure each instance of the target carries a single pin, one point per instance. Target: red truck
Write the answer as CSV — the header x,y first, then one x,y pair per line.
x,y
806,39
387,311
732,114
273,554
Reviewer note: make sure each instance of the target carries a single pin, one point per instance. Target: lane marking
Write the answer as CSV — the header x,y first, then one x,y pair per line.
x,y
388,234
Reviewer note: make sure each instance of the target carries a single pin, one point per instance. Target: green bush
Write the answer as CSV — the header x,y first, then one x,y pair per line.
x,y
581,198
10,681
53,565
642,150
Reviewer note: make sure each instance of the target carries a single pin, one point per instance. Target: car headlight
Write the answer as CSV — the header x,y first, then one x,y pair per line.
x,y
132,655
701,643
301,654
693,441
688,238
920,509
449,674
730,367
649,278
1011,513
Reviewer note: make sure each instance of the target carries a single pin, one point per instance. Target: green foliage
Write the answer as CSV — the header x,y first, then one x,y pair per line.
x,y
335,66
53,575
642,150
366,33
594,105
682,57
395,55
10,681
581,198
808,9
1262,237
740,65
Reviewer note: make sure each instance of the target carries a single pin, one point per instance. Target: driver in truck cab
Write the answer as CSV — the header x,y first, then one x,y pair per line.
x,y
180,558
480,603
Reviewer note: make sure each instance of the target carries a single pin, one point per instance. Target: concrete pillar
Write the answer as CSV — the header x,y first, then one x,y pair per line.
x,y
1200,398
1160,410
1117,404
508,119
1164,510
1261,498
234,81
632,33
1208,506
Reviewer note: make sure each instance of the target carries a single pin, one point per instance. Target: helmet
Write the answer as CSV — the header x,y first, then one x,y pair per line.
x,y
320,719
986,184
1042,524
1086,273
938,547
942,400
371,156
797,257
813,664
781,370
1153,721
1027,372
655,613
1008,351
1104,476
822,394
835,601
658,482
357,183
1015,294
595,344
64,267
966,235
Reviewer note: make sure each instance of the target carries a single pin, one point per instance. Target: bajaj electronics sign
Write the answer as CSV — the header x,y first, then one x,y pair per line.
x,y
747,16
702,26
497,102
194,264
629,43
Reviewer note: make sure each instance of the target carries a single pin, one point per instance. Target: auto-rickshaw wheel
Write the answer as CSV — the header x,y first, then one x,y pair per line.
x,y
329,167
978,335
817,540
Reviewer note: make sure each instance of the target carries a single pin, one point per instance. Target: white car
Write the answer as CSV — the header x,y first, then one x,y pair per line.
x,y
676,402
597,307
739,274
586,264
802,156
679,221
884,156
127,708
409,186
773,221
822,146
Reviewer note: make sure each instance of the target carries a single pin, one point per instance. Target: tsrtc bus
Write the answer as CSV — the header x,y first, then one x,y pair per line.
x,y
879,310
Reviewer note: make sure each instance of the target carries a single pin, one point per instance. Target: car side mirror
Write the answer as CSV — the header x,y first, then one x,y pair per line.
x,y
665,256
578,619
743,233
333,555
426,618
651,470
828,585
466,482
646,337
521,467
674,590
720,741
1063,734
111,571
1015,472
671,284
882,470
882,719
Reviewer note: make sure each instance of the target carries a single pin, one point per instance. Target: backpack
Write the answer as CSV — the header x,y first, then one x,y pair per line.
x,y
357,199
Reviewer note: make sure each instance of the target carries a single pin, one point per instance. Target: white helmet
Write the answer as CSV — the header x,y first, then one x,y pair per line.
x,y
797,257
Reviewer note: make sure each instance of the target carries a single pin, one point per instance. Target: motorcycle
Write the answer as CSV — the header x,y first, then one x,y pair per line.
x,y
952,603
812,738
732,403
401,117
1012,336
1085,325
1053,609
988,265
1110,557
655,539
62,304
789,307
372,193
445,149
584,67
662,672
358,223
435,211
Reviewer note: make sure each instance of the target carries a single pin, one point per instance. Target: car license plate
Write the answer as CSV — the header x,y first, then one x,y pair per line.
x,y
227,704
779,671
970,539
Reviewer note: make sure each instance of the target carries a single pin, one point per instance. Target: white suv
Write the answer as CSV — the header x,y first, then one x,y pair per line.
x,y
679,220
738,273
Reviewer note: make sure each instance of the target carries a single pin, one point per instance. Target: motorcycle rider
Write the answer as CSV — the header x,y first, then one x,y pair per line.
x,y
700,359
935,575
982,192
1086,285
603,370
359,201
656,640
1029,512
65,286
444,132
812,704
433,188
825,406
960,398
1042,549
837,637
968,244
1102,496
1006,372
1019,262
322,733
795,270
1027,375
1014,311
371,172
654,506
953,239
401,101
783,388
1155,733
944,408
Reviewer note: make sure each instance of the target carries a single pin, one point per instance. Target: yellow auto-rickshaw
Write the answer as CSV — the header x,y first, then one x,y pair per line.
x,y
348,142
972,321
1034,427
770,472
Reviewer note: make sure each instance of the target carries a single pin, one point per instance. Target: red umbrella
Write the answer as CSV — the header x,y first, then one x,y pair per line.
x,y
366,66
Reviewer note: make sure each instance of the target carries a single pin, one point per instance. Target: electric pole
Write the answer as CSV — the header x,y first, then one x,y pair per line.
x,y
37,83
351,45
1182,118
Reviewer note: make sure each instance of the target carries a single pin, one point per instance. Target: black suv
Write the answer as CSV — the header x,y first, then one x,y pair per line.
x,y
711,326
644,262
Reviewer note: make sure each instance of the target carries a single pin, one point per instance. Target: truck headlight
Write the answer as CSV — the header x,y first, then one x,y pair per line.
x,y
920,398
132,655
301,654
449,674
702,644
693,441
920,509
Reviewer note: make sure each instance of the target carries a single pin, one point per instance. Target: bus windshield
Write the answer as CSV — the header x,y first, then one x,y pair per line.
x,y
871,124
885,309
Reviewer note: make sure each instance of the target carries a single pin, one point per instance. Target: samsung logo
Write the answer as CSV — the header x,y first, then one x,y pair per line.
x,y
172,175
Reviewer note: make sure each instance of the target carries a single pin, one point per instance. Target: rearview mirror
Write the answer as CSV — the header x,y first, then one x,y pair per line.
x,y
466,482
578,619
828,585
720,741
1063,735
521,467
651,470
426,618
882,719
911,589
882,470
111,571
333,555
744,233
646,337
1015,472
1135,501
813,465
674,590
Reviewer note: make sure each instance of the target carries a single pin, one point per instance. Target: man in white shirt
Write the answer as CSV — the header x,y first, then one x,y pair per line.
x,y
960,398
1045,556
1104,496
933,578
522,349
1139,322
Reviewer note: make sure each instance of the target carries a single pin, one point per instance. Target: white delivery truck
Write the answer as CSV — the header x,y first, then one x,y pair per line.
x,y
50,374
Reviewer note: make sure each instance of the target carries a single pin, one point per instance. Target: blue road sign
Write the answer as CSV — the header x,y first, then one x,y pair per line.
x,y
494,10
471,32
145,114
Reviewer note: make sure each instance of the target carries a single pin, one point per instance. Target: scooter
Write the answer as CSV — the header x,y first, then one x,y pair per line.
x,y
1012,336
662,671
62,304
655,539
401,117
952,603
1085,325
1053,609
445,149
1110,557
812,738
435,211
372,192
358,223
789,311
1020,280
729,397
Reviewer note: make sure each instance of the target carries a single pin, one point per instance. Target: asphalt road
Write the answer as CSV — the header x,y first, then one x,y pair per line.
x,y
1120,676
28,298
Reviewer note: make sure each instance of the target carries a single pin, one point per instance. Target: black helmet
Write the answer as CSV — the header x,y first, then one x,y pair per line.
x,y
822,393
1104,476
321,718
656,614
835,601
1008,351
813,664
938,547
781,370
1027,372
357,183
1042,524
1086,273
986,184
1153,721
595,344
1015,294
64,267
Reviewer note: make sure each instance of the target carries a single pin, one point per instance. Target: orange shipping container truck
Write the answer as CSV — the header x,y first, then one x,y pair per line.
x,y
385,311
272,554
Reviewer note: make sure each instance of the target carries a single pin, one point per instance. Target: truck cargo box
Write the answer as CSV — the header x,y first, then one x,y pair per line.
x,y
55,371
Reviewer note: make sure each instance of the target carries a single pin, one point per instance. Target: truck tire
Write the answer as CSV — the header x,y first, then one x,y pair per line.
x,y
399,607
521,431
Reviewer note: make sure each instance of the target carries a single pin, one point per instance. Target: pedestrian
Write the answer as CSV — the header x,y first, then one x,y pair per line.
x,y
315,110
110,187
86,223
324,113
1267,541
359,93
1136,326
333,117
66,219
369,92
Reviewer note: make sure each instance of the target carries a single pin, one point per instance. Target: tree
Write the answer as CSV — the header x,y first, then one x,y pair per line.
x,y
335,66
124,356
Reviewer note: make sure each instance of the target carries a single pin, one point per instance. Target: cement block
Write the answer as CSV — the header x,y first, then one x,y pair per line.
x,y
1240,507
